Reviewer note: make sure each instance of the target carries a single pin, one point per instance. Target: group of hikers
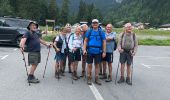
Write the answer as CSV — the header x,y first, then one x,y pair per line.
x,y
90,45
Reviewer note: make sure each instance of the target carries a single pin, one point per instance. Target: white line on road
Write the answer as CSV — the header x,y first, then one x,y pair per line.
x,y
153,57
4,57
95,92
147,66
15,49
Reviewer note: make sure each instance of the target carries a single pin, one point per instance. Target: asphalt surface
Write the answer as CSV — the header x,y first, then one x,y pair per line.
x,y
150,79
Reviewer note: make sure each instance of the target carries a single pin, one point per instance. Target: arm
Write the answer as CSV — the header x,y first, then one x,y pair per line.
x,y
120,43
22,43
43,42
85,46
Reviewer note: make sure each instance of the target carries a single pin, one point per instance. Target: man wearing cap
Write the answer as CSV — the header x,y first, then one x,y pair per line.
x,y
127,46
32,41
95,48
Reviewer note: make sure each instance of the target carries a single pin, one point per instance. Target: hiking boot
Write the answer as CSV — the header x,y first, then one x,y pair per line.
x,y
83,74
89,81
109,79
97,81
121,80
128,81
104,76
62,73
32,79
74,76
57,75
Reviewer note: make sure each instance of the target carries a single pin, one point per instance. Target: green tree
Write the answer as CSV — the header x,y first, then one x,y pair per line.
x,y
5,8
64,12
82,13
53,10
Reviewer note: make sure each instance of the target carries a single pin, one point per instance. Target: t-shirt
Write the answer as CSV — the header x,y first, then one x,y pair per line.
x,y
32,42
75,41
95,40
64,42
110,44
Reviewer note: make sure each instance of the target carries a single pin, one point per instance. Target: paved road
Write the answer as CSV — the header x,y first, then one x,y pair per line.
x,y
150,82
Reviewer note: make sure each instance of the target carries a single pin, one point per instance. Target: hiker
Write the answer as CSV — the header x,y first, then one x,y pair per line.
x,y
32,41
127,46
110,47
84,29
95,48
68,27
60,46
75,44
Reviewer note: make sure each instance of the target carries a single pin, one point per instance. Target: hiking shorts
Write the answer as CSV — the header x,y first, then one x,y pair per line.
x,y
59,57
108,58
126,57
96,57
34,58
76,56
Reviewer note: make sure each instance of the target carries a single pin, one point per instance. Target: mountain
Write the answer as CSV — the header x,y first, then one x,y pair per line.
x,y
155,12
103,5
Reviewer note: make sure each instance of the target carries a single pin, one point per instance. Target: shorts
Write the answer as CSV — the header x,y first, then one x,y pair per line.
x,y
76,56
59,57
126,57
96,57
34,58
108,58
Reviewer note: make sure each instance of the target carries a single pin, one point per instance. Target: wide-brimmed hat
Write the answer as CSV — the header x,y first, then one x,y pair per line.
x,y
32,22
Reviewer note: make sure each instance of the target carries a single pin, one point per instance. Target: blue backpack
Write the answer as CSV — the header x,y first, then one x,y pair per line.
x,y
93,45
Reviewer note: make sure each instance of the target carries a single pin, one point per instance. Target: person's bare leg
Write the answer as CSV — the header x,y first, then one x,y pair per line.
x,y
89,70
122,70
96,70
128,71
33,68
104,67
110,70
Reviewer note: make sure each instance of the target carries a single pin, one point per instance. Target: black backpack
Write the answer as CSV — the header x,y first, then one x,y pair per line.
x,y
59,43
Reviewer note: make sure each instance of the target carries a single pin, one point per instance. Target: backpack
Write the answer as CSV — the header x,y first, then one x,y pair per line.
x,y
59,42
100,34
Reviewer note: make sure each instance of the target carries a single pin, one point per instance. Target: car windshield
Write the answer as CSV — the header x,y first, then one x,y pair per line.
x,y
17,23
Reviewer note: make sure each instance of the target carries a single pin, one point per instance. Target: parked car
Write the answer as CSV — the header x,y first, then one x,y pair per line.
x,y
12,30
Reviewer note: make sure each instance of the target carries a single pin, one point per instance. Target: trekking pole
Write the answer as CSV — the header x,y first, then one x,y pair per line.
x,y
46,62
22,51
117,73
132,71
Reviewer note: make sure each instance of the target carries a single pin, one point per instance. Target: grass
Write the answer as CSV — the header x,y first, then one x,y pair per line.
x,y
154,42
146,32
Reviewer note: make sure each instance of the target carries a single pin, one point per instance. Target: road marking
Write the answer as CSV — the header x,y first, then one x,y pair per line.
x,y
15,49
96,92
153,57
147,66
4,57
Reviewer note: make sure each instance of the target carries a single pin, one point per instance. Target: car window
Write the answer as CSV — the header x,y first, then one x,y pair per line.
x,y
17,23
